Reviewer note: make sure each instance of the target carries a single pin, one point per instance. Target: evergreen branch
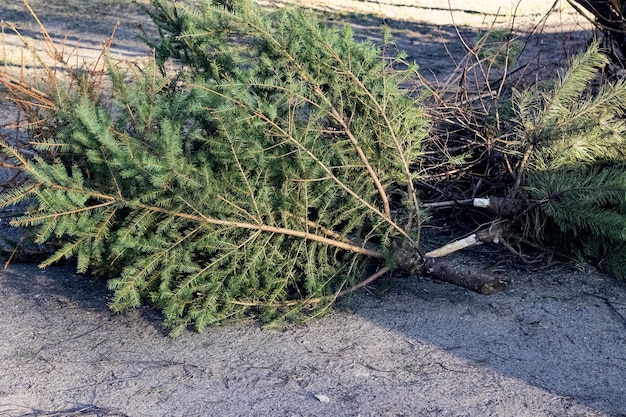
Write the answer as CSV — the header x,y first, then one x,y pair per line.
x,y
239,208
43,179
383,114
610,100
318,91
215,262
129,282
338,181
359,150
29,220
67,251
317,300
300,146
103,231
573,83
16,195
116,183
314,225
265,228
243,176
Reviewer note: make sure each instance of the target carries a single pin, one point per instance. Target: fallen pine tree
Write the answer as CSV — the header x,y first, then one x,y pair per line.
x,y
265,164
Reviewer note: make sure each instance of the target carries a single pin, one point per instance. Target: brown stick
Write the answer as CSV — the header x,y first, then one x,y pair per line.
x,y
365,282
463,276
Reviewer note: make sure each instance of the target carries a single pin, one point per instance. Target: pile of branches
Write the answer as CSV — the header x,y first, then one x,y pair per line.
x,y
542,165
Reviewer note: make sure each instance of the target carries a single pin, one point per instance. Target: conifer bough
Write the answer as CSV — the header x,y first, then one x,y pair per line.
x,y
270,171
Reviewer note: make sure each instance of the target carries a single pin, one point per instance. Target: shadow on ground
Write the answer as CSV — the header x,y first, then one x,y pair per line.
x,y
552,345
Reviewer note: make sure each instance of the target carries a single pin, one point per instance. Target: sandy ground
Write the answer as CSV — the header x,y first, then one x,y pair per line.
x,y
554,344
551,346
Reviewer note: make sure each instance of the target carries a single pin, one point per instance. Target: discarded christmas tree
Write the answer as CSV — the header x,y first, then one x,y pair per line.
x,y
263,163
270,172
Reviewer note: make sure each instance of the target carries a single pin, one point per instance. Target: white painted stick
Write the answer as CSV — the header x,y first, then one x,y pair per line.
x,y
454,246
482,202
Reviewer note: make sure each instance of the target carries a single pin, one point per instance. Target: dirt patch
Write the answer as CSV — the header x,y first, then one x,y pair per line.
x,y
552,345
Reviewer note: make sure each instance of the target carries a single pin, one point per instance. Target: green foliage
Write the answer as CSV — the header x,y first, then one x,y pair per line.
x,y
267,172
575,141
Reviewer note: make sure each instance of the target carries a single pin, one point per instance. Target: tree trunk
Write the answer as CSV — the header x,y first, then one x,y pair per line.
x,y
610,18
464,276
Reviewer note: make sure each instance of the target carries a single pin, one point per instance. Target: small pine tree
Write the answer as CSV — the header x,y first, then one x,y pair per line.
x,y
267,172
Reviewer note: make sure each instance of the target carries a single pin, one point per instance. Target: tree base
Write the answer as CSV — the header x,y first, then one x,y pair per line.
x,y
463,276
